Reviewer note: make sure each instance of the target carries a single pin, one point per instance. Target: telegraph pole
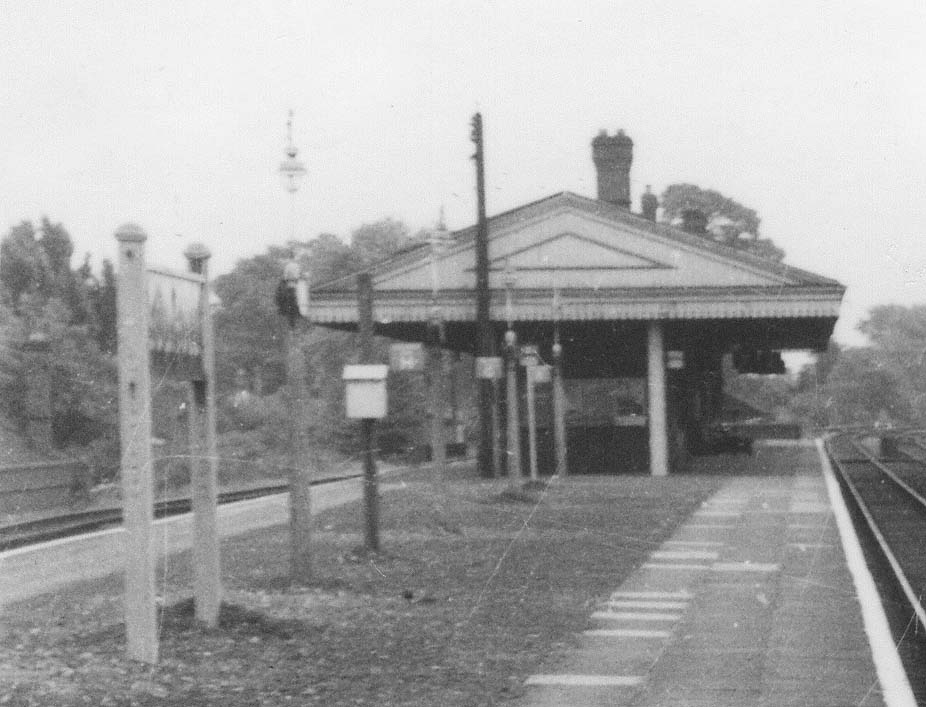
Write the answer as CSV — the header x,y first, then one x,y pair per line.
x,y
485,338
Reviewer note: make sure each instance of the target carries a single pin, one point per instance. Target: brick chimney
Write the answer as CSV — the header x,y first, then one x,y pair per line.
x,y
612,155
649,202
694,221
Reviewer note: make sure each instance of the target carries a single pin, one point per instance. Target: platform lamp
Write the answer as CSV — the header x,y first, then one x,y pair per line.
x,y
511,368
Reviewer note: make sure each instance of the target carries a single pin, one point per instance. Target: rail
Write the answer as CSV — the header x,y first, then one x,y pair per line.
x,y
70,524
894,511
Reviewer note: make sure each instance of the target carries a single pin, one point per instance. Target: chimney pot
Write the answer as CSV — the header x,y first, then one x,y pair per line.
x,y
613,155
648,204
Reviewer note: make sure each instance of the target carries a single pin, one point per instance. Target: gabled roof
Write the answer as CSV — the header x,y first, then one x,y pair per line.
x,y
606,263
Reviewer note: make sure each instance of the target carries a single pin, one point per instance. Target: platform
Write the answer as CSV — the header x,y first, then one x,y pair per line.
x,y
755,600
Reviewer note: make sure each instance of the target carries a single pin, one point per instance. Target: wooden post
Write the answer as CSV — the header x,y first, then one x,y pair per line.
x,y
559,409
370,488
300,502
135,443
532,422
485,336
514,424
438,448
207,577
656,380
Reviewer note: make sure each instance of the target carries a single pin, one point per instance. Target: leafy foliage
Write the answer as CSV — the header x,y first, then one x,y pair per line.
x,y
875,384
728,221
75,314
250,338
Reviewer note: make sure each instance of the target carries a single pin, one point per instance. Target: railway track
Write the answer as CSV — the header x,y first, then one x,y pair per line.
x,y
70,524
888,489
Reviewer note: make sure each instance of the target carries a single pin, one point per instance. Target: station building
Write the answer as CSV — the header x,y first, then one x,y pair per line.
x,y
645,313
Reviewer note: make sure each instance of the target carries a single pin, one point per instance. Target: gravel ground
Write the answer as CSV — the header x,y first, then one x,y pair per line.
x,y
475,588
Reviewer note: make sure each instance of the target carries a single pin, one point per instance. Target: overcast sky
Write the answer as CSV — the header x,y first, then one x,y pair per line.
x,y
173,115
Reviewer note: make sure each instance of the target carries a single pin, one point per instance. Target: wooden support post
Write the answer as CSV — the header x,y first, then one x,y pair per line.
x,y
370,487
207,580
300,502
438,444
485,334
559,409
532,422
514,424
135,443
656,380
496,428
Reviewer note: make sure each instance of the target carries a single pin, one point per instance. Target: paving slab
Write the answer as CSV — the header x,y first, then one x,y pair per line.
x,y
750,603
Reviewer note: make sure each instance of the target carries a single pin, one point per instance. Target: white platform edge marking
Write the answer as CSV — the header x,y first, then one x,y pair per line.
x,y
586,680
684,555
894,683
695,543
679,595
673,566
636,616
615,604
627,633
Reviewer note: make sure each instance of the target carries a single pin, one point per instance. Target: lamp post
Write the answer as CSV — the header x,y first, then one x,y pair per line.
x,y
292,302
511,351
292,170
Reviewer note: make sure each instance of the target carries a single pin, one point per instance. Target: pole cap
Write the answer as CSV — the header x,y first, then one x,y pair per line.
x,y
131,233
197,251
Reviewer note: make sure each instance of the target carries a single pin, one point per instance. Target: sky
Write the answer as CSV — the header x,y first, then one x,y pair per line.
x,y
173,115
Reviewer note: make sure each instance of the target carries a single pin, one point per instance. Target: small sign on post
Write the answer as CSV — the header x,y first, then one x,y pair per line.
x,y
406,357
541,373
489,367
530,356
365,391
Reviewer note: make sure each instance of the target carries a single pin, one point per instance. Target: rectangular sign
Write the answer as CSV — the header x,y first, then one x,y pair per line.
x,y
406,357
541,374
529,355
174,326
489,367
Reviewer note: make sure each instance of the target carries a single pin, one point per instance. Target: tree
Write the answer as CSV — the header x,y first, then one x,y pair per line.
x,y
22,262
249,332
728,221
376,241
42,295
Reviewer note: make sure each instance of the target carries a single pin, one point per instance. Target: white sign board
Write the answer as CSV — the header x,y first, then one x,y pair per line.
x,y
541,374
406,357
529,355
365,391
489,367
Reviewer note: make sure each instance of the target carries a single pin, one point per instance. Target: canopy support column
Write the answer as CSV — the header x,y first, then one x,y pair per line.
x,y
656,380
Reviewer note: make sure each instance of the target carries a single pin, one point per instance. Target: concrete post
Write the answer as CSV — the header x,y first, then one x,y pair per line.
x,y
656,379
135,442
207,582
